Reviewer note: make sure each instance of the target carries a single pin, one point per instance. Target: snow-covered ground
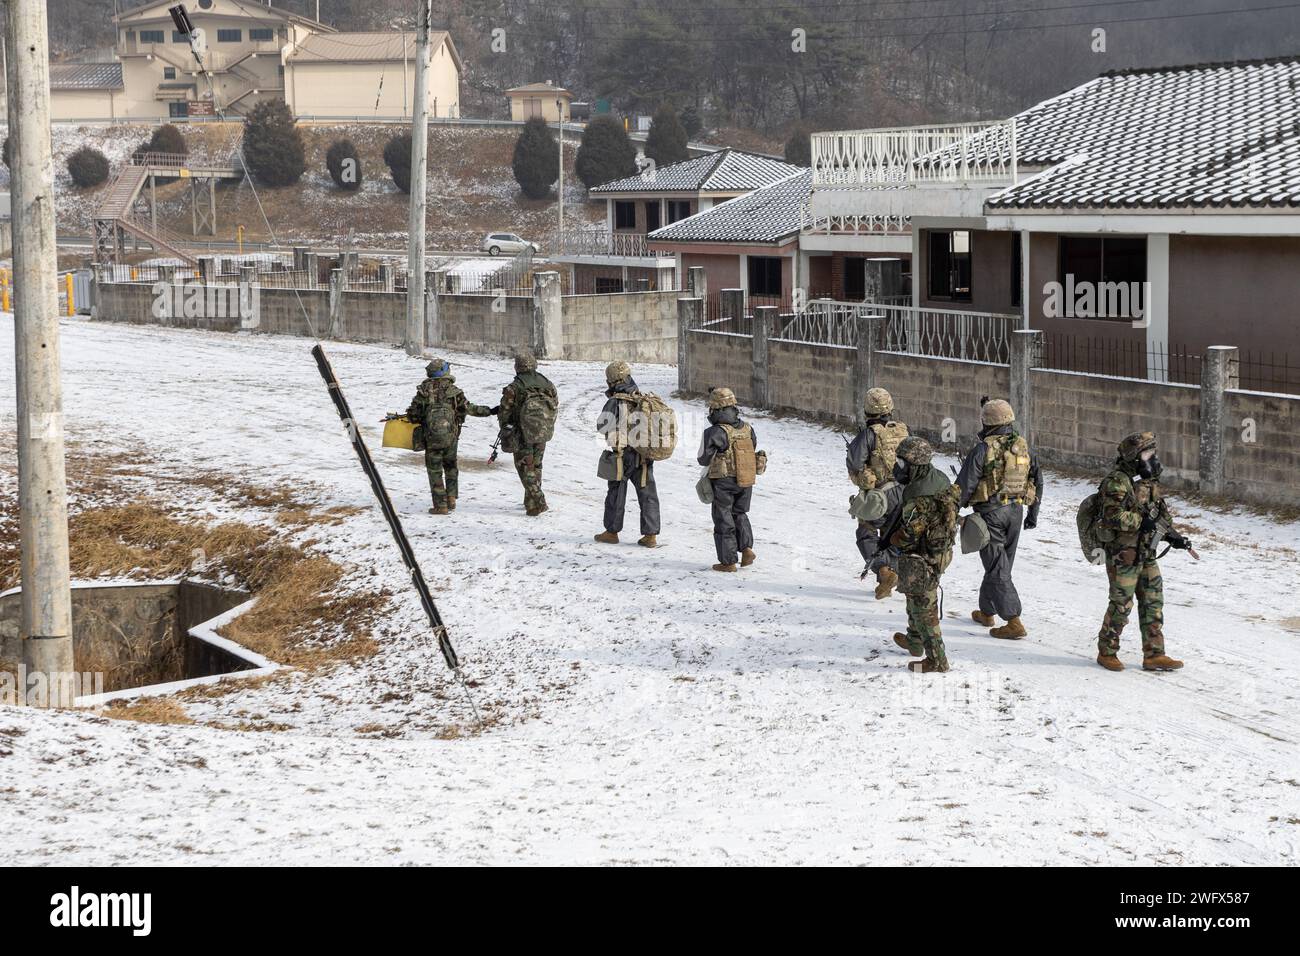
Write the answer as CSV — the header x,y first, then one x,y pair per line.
x,y
649,710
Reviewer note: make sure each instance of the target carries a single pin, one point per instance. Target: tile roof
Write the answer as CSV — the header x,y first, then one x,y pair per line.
x,y
1218,135
722,171
85,76
769,214
362,47
536,88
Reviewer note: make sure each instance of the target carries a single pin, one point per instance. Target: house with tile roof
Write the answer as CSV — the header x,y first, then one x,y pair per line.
x,y
1178,185
616,256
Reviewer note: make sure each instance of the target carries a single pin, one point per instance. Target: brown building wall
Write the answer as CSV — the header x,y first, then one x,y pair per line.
x,y
720,272
991,286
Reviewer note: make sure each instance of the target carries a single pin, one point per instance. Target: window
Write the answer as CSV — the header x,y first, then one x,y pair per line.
x,y
178,37
259,33
607,284
230,36
950,264
764,275
1017,267
151,36
624,215
678,209
178,109
652,215
1104,259
855,278
169,72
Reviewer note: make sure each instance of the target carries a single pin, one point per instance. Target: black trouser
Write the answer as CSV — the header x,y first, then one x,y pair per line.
x,y
731,530
647,496
875,550
997,591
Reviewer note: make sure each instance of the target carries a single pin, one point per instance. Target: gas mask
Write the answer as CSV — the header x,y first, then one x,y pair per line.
x,y
1148,466
902,472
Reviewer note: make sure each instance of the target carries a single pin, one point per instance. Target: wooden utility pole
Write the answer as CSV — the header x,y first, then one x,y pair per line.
x,y
46,628
419,175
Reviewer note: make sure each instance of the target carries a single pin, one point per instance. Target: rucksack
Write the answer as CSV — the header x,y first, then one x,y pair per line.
x,y
1093,538
651,426
440,425
537,413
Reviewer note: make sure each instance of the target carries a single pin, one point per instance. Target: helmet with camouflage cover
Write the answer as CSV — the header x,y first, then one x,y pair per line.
x,y
878,402
437,368
721,398
996,412
525,361
1132,447
616,372
915,451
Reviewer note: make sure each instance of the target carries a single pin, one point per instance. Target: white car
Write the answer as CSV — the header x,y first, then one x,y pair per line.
x,y
495,243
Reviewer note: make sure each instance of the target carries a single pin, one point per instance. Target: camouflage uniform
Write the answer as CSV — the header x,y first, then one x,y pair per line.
x,y
924,536
528,457
440,389
869,459
1131,569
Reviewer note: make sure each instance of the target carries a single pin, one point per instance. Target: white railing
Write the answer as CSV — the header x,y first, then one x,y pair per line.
x,y
865,224
825,322
967,152
948,333
601,242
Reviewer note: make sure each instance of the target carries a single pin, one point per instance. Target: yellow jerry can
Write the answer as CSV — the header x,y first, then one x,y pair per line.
x,y
399,433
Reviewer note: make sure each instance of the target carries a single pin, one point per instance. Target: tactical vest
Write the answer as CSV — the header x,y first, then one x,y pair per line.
x,y
1141,495
888,437
1006,473
739,460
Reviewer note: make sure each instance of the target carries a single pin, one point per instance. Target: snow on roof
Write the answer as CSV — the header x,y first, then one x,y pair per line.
x,y
769,214
725,170
1209,135
85,76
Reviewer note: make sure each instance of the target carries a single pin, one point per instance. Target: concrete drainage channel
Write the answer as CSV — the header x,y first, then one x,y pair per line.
x,y
146,638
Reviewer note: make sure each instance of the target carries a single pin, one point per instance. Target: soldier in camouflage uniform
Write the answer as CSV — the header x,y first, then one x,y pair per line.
x,y
1000,478
440,408
870,460
1132,507
528,457
924,535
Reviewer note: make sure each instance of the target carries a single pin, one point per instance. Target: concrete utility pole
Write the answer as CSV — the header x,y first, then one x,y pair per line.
x,y
46,628
560,104
419,174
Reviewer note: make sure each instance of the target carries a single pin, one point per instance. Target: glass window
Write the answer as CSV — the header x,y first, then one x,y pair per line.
x,y
230,36
652,215
1105,259
950,264
178,37
678,209
1017,267
624,215
764,275
605,285
178,108
261,34
151,36
169,72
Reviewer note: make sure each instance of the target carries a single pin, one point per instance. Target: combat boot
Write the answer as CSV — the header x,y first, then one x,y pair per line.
x,y
534,512
1012,630
438,510
1110,662
648,541
886,580
1160,662
451,502
901,640
747,557
724,567
607,537
982,619
926,666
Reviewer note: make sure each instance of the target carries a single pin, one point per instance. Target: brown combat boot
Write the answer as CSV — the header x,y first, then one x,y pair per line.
x,y
982,619
451,502
438,510
901,640
648,541
607,537
1110,662
1160,662
1012,630
534,512
926,666
886,580
747,557
724,567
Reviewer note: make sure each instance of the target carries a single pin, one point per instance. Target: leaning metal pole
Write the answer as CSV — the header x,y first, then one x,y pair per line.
x,y
46,628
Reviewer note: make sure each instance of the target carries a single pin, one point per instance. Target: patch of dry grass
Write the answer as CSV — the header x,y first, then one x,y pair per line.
x,y
148,710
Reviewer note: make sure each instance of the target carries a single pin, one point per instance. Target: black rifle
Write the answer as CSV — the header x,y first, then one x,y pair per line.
x,y
496,445
1162,531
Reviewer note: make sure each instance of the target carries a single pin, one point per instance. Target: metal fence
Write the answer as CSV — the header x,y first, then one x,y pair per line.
x,y
1121,358
824,322
948,333
1268,372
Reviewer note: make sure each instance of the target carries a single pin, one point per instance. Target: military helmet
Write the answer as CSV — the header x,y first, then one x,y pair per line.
x,y
525,361
878,402
721,398
437,367
616,372
915,451
996,412
1131,448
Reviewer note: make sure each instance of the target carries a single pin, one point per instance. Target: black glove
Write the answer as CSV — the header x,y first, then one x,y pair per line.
x,y
1148,525
495,410
1178,541
1031,520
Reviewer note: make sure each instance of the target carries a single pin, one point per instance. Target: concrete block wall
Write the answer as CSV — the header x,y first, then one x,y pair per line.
x,y
1261,439
468,322
928,390
721,359
633,326
812,379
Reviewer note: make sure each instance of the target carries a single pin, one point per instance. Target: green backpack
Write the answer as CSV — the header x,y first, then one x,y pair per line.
x,y
440,431
1093,538
537,414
